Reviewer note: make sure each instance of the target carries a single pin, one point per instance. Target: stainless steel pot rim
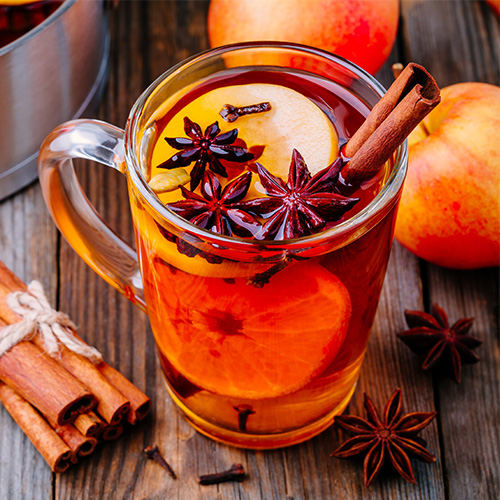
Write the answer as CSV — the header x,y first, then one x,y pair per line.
x,y
66,5
26,171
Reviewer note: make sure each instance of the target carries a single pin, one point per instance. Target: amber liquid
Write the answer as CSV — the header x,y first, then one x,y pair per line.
x,y
264,367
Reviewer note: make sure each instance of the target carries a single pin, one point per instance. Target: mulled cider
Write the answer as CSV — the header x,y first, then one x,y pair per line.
x,y
262,294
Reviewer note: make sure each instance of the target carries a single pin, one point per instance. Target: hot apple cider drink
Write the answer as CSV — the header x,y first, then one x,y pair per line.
x,y
260,349
264,180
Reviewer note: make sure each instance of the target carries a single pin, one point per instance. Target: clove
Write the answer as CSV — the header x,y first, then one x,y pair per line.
x,y
231,113
261,279
244,411
153,453
235,473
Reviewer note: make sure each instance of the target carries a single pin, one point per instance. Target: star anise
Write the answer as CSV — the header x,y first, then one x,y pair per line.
x,y
215,210
205,148
389,440
301,207
443,345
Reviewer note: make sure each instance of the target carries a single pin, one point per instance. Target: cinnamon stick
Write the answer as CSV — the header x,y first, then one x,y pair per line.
x,y
409,99
139,402
89,424
7,278
79,444
40,380
111,432
52,448
112,405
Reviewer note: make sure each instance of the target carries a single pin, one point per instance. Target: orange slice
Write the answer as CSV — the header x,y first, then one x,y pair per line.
x,y
236,340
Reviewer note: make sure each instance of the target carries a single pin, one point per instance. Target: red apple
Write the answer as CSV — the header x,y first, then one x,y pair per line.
x,y
362,31
450,208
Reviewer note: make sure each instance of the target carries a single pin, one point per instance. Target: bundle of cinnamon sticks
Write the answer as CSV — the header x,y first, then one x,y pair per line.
x,y
64,403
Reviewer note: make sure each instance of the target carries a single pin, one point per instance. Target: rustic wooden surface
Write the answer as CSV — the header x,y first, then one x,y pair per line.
x,y
457,41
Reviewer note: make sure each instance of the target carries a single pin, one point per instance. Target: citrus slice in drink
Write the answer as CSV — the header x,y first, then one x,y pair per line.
x,y
294,122
237,340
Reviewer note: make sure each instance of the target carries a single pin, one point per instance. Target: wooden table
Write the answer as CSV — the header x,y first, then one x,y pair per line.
x,y
457,41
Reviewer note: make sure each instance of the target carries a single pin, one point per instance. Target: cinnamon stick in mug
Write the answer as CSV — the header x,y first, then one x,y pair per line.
x,y
409,99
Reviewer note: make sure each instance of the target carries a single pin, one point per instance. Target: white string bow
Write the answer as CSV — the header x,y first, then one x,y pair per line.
x,y
39,318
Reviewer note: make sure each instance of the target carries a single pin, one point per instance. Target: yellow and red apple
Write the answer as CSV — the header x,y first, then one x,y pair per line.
x,y
450,208
362,31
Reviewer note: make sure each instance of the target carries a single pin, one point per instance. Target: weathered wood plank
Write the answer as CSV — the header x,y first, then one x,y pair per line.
x,y
465,48
470,412
387,366
28,247
107,319
457,41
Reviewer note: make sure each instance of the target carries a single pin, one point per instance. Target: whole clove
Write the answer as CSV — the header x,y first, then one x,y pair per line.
x,y
244,411
154,453
231,113
235,473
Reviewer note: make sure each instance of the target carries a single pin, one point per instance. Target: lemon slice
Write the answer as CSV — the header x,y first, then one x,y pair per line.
x,y
294,121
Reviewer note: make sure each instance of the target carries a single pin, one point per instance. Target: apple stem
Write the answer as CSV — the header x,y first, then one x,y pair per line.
x,y
397,69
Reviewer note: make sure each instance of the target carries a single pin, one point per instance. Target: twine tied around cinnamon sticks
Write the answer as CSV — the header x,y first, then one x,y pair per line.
x,y
39,318
65,403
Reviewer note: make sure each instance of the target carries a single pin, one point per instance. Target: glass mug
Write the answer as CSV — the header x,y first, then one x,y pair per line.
x,y
260,342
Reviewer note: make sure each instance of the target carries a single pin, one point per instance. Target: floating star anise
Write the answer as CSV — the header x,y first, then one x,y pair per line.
x,y
445,346
301,207
203,148
388,440
215,210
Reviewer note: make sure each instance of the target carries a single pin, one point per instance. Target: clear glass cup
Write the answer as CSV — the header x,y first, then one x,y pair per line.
x,y
261,342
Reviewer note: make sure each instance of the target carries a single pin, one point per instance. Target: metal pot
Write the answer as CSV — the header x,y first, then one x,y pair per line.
x,y
53,73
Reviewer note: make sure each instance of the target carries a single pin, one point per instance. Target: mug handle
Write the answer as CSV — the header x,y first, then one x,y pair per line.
x,y
94,241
